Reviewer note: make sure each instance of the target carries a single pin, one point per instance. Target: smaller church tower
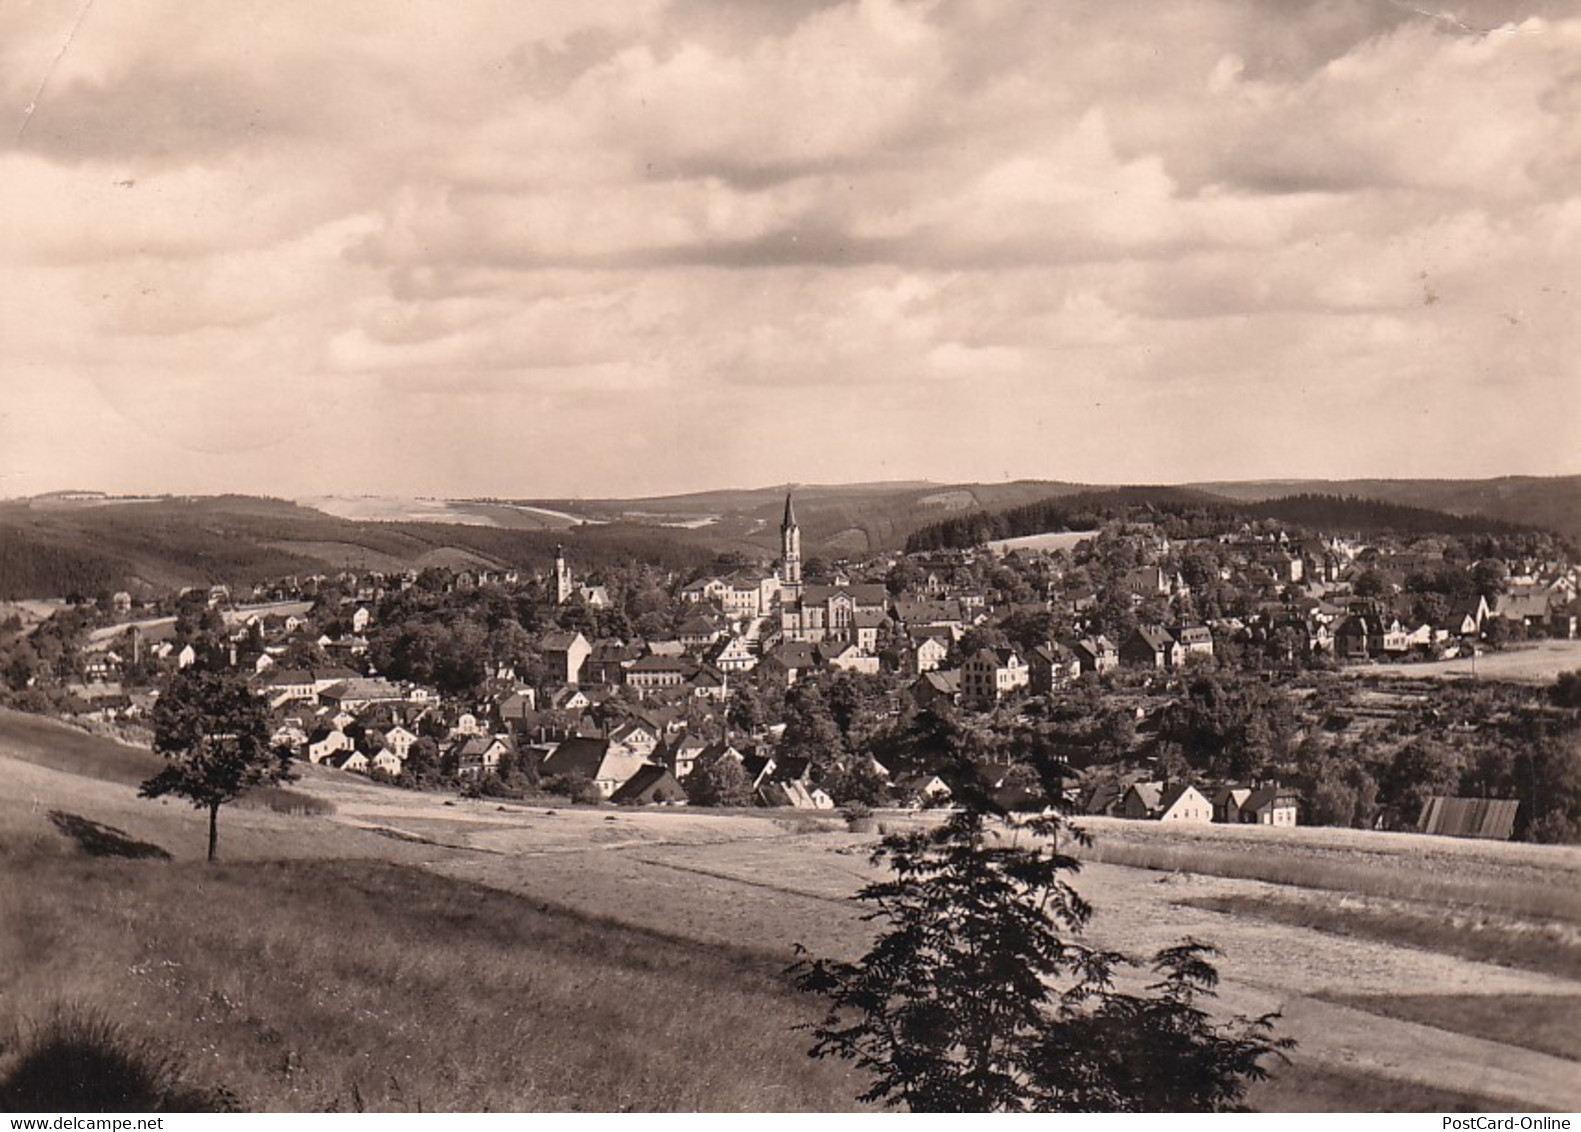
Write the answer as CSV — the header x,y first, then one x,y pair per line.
x,y
562,577
790,548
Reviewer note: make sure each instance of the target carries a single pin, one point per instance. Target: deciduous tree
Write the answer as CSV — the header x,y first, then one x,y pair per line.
x,y
215,733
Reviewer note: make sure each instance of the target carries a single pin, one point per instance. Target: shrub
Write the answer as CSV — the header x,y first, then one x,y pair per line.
x,y
976,998
79,1060
718,781
575,787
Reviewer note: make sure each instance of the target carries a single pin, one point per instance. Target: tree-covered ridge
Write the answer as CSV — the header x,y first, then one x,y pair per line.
x,y
1372,516
1192,514
1195,512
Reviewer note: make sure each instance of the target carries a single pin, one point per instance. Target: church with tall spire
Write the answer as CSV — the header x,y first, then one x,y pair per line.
x,y
838,612
790,553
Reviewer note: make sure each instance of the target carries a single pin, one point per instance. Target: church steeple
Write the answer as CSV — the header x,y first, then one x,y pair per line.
x,y
562,577
790,546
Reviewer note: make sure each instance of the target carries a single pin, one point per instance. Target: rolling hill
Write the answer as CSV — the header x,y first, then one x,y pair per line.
x,y
87,542
1550,502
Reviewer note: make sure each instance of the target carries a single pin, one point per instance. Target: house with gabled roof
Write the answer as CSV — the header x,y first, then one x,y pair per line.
x,y
606,767
795,794
819,612
699,631
790,661
1270,805
565,654
938,686
1151,646
634,737
681,753
733,654
323,742
847,657
351,760
929,649
478,754
1227,803
655,671
1197,640
991,674
649,786
1160,801
1096,654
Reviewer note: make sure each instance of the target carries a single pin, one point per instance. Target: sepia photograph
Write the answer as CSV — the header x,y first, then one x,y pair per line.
x,y
766,556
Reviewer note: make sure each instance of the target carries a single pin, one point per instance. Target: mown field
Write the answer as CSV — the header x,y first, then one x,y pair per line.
x,y
393,952
1537,663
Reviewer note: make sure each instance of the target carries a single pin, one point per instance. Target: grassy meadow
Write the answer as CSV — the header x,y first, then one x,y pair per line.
x,y
312,985
382,950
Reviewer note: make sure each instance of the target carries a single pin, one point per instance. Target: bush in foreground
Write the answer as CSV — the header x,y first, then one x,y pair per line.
x,y
79,1060
972,999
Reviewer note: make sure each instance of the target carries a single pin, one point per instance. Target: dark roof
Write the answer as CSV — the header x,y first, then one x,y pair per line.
x,y
790,512
947,680
577,755
641,788
1172,795
863,593
1268,797
794,654
1154,637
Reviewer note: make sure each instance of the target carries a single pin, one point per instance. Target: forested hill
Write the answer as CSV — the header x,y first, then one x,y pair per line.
x,y
1079,512
1342,513
1549,502
1195,513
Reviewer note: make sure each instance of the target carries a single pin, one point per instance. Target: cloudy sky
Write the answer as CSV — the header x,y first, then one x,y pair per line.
x,y
558,247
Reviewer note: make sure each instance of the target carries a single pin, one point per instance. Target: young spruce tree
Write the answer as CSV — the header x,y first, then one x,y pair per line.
x,y
978,995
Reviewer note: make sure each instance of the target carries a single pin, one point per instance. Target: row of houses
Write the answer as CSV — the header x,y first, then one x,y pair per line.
x,y
1263,804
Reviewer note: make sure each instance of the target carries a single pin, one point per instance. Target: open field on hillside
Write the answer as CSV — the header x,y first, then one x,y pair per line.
x,y
1537,663
1050,542
407,951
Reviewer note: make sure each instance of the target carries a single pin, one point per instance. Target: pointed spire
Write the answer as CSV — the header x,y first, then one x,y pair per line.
x,y
790,513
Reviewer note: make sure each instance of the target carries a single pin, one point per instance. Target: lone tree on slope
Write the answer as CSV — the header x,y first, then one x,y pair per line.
x,y
215,733
977,995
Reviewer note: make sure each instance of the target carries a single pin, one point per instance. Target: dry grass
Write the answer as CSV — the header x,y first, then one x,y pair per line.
x,y
1319,1089
1537,663
46,742
57,746
334,982
1517,889
313,985
1545,1023
1553,949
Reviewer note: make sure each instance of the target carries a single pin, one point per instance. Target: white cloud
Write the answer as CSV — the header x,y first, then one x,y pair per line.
x,y
878,236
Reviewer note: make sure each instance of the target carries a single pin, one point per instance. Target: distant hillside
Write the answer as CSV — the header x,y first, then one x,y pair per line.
x,y
836,519
89,543
1550,502
89,547
1371,516
1201,513
1079,511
